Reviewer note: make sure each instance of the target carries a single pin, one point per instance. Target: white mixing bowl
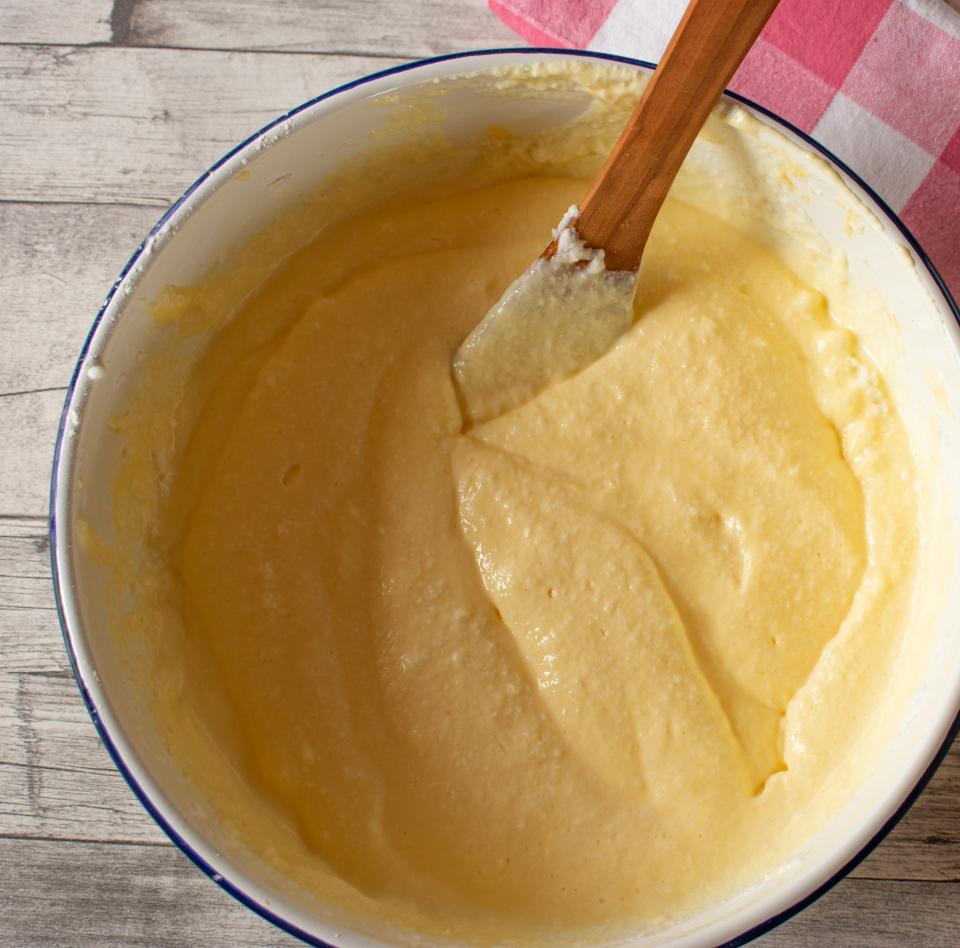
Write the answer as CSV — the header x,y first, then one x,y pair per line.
x,y
920,362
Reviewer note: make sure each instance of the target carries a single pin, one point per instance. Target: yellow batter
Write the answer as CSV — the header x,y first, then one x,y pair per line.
x,y
547,674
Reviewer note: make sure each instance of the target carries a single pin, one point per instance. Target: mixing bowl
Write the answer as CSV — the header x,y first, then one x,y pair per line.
x,y
916,347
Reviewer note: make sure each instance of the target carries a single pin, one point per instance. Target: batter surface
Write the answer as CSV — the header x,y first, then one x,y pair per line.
x,y
556,670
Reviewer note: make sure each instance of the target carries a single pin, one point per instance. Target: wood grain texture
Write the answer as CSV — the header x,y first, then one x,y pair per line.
x,y
99,129
57,265
75,893
865,914
56,21
28,424
56,781
415,28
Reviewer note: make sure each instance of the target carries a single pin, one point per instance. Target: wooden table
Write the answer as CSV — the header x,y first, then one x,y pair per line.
x,y
108,110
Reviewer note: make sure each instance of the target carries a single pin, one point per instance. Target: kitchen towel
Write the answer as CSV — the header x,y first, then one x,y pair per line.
x,y
875,81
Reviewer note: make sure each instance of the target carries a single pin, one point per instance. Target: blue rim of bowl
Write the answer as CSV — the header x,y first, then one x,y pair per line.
x,y
750,934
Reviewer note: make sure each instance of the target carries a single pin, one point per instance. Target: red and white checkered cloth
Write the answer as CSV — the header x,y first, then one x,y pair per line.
x,y
876,81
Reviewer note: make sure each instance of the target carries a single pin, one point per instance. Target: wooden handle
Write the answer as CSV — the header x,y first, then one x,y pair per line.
x,y
709,44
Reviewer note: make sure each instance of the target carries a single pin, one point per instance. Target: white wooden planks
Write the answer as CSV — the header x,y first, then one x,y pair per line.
x,y
862,914
76,893
414,28
28,425
56,21
58,263
56,781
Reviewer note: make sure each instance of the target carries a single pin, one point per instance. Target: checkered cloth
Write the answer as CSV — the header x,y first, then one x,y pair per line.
x,y
876,81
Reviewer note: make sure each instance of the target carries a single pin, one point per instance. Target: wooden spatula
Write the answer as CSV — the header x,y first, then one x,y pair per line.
x,y
557,319
711,41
